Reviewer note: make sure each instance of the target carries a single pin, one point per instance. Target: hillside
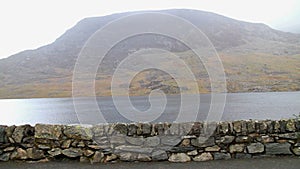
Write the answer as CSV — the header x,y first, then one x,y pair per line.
x,y
255,56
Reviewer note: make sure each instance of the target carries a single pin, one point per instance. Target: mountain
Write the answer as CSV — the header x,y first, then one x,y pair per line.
x,y
47,71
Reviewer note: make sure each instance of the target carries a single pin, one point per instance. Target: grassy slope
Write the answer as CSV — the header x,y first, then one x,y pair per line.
x,y
245,73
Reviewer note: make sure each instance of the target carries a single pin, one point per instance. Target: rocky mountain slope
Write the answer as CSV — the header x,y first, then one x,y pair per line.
x,y
47,71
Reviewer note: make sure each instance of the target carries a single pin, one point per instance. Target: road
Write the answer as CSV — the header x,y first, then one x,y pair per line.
x,y
265,163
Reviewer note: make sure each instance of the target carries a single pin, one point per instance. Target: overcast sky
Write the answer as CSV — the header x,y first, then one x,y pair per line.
x,y
33,23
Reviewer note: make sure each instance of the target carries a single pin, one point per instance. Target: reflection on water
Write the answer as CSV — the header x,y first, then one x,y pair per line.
x,y
10,110
61,110
32,111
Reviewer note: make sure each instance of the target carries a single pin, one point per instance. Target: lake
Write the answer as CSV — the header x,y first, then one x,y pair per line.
x,y
239,106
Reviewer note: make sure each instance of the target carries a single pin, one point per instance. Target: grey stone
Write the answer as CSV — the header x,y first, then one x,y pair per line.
x,y
2,145
188,137
4,157
102,140
78,132
243,139
170,140
81,144
135,149
223,128
192,153
276,126
296,151
254,148
118,140
244,127
19,154
132,129
297,124
227,139
121,128
203,141
10,130
152,141
185,142
98,130
7,149
97,158
236,148
209,128
74,143
29,131
143,157
44,147
262,127
88,153
281,141
278,148
35,154
109,129
11,140
66,144
185,128
95,147
203,157
297,144
214,148
54,152
43,141
283,124
146,128
159,155
72,152
174,129
3,134
179,158
196,128
111,157
250,126
28,140
19,133
291,125
288,136
107,151
237,126
159,128
128,156
135,140
221,156
267,139
139,130
52,132
270,126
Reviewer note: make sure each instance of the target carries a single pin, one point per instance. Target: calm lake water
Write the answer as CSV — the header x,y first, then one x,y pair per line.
x,y
274,105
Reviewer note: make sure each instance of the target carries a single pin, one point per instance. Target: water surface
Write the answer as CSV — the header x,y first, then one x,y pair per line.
x,y
273,105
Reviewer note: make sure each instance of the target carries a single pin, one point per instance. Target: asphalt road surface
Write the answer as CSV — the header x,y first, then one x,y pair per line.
x,y
264,163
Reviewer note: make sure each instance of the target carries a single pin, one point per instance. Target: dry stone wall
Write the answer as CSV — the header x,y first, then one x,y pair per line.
x,y
150,142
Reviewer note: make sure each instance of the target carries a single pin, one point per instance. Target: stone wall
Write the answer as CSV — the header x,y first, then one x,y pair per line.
x,y
177,142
